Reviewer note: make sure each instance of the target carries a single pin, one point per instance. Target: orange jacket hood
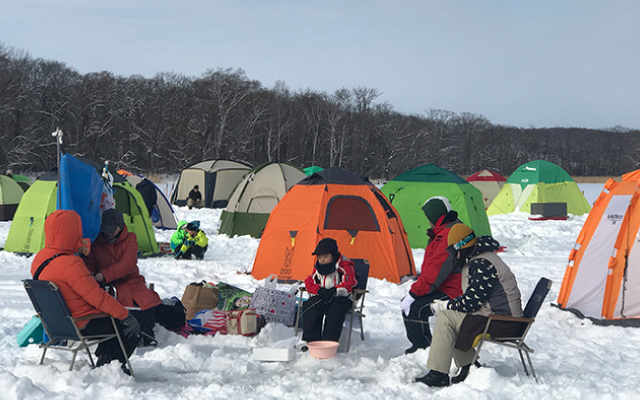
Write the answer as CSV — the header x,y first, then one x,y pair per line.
x,y
63,231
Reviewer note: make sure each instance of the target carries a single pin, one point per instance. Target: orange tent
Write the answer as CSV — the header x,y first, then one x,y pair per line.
x,y
344,206
602,280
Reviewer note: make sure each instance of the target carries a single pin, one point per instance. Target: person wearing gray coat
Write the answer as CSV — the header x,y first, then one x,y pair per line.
x,y
489,287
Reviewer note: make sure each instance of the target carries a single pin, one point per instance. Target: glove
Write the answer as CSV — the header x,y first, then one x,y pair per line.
x,y
191,242
321,291
342,292
405,305
328,294
131,327
439,306
177,252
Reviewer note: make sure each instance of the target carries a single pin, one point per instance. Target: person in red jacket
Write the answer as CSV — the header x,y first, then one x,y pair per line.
x,y
439,277
332,280
113,261
81,293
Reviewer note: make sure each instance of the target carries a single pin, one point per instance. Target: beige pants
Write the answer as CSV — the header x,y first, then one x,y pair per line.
x,y
196,204
442,349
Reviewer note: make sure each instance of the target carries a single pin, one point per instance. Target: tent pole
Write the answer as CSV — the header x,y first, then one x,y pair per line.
x,y
58,135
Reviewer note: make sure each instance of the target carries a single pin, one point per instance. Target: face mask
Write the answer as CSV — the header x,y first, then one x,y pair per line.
x,y
325,269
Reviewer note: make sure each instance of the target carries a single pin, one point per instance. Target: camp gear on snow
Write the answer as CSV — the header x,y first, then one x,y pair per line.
x,y
198,297
32,333
274,354
255,197
489,183
522,326
602,280
215,178
209,322
10,195
233,298
160,210
274,305
242,322
538,182
342,205
323,349
171,314
410,189
61,326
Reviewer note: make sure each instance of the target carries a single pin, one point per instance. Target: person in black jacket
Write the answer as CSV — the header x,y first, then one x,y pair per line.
x,y
195,198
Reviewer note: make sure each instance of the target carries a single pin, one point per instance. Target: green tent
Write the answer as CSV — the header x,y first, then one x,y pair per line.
x,y
539,182
409,191
129,201
23,181
10,195
255,196
312,170
26,234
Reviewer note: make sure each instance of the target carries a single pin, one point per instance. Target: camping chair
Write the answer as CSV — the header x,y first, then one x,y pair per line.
x,y
517,342
361,267
60,325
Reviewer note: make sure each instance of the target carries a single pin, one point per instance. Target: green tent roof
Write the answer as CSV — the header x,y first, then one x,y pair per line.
x,y
429,173
539,171
408,192
312,169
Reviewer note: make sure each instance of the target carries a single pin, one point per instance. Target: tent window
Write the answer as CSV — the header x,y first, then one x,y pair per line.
x,y
350,213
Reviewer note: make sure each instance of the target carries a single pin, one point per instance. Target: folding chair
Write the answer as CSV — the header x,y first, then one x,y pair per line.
x,y
517,341
361,267
60,325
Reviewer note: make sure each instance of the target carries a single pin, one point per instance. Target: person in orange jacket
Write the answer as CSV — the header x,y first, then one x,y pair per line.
x,y
113,261
332,280
82,294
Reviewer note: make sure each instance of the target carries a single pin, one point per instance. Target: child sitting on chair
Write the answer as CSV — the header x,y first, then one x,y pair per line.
x,y
332,280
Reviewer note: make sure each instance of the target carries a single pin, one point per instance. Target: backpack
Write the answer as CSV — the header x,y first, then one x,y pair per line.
x,y
171,314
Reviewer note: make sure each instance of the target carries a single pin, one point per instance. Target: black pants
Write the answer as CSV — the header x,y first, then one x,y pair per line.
x,y
315,311
196,251
109,350
147,320
417,322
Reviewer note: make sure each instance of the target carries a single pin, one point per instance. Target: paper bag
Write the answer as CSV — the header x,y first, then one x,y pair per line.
x,y
196,298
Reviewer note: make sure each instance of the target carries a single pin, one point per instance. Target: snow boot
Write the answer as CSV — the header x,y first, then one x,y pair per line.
x,y
435,379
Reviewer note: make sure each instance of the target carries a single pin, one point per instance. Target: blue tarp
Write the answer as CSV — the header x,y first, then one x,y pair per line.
x,y
81,191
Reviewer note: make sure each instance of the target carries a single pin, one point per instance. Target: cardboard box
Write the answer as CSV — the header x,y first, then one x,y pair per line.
x,y
274,354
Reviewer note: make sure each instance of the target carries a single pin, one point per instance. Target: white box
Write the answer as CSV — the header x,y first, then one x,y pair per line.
x,y
274,354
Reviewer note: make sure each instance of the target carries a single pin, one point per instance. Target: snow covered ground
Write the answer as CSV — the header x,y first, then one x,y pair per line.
x,y
573,358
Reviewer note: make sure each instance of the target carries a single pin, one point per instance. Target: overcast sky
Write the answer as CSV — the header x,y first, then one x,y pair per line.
x,y
540,63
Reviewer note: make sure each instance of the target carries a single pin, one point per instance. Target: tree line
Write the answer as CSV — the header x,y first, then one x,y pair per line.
x,y
166,123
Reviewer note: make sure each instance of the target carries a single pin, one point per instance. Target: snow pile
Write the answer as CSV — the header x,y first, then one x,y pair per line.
x,y
573,358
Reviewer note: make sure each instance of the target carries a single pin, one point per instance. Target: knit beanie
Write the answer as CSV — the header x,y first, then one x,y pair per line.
x,y
111,219
327,246
193,226
461,237
436,207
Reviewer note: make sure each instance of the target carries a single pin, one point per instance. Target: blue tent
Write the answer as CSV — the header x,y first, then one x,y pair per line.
x,y
81,190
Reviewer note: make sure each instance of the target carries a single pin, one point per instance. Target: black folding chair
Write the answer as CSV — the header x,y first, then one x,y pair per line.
x,y
361,267
528,318
60,325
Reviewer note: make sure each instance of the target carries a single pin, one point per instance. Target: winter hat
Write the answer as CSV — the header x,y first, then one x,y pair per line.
x,y
111,219
327,246
193,226
436,207
196,187
461,237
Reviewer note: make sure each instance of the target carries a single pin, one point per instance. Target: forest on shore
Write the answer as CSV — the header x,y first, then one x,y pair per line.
x,y
170,121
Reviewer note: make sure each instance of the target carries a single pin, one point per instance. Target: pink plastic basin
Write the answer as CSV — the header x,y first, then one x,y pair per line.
x,y
323,348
